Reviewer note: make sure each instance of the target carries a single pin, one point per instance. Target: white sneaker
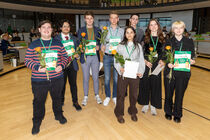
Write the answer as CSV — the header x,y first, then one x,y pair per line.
x,y
145,108
153,111
106,101
114,100
85,100
98,99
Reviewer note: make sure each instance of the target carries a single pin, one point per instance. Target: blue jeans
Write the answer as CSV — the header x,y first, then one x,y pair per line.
x,y
108,62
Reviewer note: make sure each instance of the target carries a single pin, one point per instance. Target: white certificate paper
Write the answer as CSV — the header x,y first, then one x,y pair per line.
x,y
131,69
157,70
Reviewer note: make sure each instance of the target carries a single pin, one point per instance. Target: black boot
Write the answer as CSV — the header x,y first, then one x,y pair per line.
x,y
36,127
61,119
177,119
168,117
77,106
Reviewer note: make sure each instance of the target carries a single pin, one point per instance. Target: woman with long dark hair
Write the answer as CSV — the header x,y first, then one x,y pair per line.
x,y
129,49
150,85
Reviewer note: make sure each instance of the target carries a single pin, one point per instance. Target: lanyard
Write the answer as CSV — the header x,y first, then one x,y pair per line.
x,y
111,32
91,34
180,48
129,54
44,45
154,44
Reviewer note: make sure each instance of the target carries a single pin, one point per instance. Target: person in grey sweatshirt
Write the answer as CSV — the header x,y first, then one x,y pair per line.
x,y
129,49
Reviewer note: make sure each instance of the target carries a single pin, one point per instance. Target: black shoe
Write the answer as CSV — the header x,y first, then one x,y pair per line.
x,y
168,117
120,119
61,119
134,118
35,129
77,106
177,119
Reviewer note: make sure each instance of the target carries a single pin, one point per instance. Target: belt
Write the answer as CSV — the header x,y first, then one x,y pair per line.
x,y
108,54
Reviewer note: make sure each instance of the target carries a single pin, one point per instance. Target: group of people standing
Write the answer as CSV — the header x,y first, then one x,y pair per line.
x,y
131,43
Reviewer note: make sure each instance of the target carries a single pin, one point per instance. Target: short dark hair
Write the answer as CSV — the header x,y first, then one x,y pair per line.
x,y
43,22
62,22
134,15
88,13
40,25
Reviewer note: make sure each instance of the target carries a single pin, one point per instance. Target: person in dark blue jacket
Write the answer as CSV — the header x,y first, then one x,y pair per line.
x,y
70,43
5,44
92,56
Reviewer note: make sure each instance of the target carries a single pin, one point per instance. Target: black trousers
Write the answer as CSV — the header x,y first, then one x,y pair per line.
x,y
150,90
72,78
122,85
40,90
178,84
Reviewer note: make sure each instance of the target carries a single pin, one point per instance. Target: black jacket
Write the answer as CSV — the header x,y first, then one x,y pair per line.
x,y
187,45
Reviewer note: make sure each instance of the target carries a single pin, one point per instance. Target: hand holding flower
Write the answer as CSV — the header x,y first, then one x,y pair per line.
x,y
97,47
122,70
148,64
58,69
76,56
103,35
42,69
42,62
103,47
192,61
170,65
169,54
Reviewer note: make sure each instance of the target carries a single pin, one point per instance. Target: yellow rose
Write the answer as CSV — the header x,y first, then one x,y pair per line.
x,y
114,52
83,34
38,49
104,28
151,49
168,47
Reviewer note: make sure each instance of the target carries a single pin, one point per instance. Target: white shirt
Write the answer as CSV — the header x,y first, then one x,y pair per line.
x,y
64,36
137,55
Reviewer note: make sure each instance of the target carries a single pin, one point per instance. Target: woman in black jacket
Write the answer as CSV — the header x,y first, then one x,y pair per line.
x,y
150,85
179,80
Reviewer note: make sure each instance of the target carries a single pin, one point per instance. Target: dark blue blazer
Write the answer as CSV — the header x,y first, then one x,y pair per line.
x,y
96,36
4,46
76,44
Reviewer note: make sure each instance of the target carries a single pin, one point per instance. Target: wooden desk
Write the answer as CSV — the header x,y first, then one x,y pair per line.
x,y
18,43
21,53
